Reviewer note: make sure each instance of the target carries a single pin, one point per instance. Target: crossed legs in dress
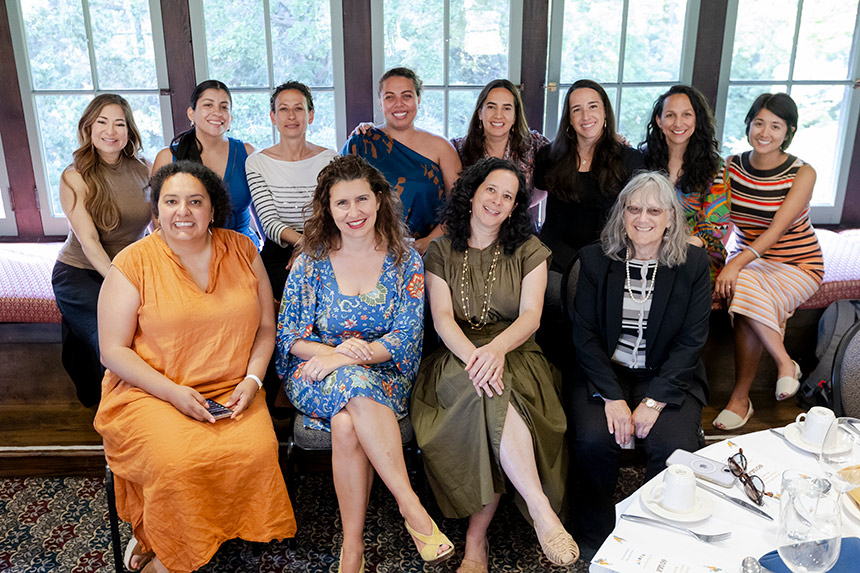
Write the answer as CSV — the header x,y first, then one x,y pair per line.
x,y
518,462
366,437
751,337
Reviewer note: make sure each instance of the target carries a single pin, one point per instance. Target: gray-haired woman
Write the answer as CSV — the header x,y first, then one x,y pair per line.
x,y
641,319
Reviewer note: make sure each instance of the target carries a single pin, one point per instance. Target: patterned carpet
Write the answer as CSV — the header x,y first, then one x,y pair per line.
x,y
61,525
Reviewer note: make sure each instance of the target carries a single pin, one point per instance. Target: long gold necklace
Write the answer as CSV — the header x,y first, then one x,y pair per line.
x,y
488,290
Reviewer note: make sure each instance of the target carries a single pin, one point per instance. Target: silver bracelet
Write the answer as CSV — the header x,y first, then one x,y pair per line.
x,y
255,379
755,252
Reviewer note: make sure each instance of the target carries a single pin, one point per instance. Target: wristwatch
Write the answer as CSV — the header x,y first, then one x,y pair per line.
x,y
652,403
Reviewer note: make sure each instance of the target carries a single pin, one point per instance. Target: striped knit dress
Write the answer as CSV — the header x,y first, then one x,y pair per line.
x,y
769,289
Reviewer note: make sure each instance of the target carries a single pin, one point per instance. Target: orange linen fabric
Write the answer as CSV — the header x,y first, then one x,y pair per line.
x,y
188,486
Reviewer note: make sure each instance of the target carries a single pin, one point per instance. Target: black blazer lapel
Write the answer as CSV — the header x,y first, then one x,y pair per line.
x,y
660,300
615,279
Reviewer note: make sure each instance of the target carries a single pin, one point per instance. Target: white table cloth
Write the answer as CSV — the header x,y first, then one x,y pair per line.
x,y
634,547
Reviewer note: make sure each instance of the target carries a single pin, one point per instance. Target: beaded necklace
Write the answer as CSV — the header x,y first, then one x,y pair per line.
x,y
488,290
648,291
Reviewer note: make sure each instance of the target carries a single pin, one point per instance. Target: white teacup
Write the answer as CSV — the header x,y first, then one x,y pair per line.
x,y
677,493
814,424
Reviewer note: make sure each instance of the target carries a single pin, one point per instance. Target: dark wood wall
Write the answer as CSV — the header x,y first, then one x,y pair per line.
x,y
359,88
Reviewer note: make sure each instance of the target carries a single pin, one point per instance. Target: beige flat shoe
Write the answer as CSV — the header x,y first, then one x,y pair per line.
x,y
787,386
557,544
728,420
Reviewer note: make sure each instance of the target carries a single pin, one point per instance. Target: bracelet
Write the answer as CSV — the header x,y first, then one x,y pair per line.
x,y
255,379
755,252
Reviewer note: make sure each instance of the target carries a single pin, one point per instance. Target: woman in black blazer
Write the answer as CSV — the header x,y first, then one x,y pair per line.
x,y
641,319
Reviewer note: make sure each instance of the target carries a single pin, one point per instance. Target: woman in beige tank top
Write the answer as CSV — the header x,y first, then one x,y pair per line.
x,y
104,197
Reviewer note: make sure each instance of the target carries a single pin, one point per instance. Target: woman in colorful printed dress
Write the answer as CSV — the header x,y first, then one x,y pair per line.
x,y
778,264
498,128
420,166
680,142
349,343
486,405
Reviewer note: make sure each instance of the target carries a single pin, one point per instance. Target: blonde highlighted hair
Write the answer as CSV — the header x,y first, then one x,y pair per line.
x,y
655,185
100,202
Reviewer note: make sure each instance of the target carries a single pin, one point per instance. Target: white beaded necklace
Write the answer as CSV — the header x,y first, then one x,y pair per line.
x,y
648,291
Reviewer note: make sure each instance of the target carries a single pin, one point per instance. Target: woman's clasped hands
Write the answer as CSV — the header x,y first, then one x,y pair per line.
x,y
624,425
350,351
485,368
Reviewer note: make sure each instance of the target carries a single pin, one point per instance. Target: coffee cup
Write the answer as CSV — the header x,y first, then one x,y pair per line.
x,y
814,424
677,493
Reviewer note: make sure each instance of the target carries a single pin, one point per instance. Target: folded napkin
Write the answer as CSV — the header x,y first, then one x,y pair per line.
x,y
849,556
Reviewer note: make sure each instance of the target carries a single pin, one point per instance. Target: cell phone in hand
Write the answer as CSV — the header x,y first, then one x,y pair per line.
x,y
217,410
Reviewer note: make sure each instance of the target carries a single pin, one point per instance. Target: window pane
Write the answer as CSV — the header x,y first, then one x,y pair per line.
x,y
817,140
738,103
763,37
236,46
591,40
57,45
147,116
655,37
305,23
414,37
431,112
461,105
251,121
636,105
824,42
122,42
58,117
323,130
479,41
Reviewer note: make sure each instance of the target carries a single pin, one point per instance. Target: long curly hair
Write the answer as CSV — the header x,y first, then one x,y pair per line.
x,y
563,177
186,145
518,140
100,202
209,179
673,250
457,212
702,156
321,234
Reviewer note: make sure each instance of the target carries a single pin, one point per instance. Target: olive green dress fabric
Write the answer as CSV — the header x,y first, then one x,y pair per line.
x,y
460,432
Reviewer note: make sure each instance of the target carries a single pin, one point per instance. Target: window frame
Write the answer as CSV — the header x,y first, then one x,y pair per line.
x,y
819,214
8,224
57,224
201,61
555,89
515,37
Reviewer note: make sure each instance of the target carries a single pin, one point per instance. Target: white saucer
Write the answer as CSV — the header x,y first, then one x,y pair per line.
x,y
703,509
850,506
795,437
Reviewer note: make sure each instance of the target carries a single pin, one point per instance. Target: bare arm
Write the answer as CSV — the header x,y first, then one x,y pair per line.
x,y
449,162
119,302
73,193
164,157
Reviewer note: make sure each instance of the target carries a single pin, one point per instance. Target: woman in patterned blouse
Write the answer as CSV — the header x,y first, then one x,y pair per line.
x,y
680,142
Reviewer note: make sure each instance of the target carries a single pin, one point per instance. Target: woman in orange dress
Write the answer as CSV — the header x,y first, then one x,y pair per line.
x,y
185,315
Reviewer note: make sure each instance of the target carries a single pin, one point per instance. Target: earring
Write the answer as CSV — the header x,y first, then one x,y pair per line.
x,y
481,125
567,131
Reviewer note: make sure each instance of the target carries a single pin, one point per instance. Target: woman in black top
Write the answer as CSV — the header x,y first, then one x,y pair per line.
x,y
583,170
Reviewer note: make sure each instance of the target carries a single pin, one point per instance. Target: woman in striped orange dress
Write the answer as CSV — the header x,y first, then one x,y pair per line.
x,y
778,265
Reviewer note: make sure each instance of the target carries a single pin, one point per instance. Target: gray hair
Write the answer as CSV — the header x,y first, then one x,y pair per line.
x,y
673,250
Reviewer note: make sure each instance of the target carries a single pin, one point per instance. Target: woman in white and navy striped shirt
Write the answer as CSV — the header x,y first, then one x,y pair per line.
x,y
642,308
282,179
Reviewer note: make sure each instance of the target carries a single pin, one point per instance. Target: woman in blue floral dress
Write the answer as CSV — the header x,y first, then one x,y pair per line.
x,y
349,344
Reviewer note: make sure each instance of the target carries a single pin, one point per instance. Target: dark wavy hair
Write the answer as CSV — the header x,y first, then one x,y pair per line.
x,y
473,146
292,85
702,156
186,145
210,180
321,234
782,106
563,177
457,213
402,73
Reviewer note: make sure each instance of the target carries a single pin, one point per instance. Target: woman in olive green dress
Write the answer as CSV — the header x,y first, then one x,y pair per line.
x,y
486,405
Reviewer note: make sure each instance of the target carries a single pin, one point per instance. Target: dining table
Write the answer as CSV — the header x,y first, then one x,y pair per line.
x,y
640,547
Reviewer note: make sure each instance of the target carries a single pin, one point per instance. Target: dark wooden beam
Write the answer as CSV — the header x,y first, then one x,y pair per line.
x,y
851,205
359,89
534,53
709,48
16,142
180,59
